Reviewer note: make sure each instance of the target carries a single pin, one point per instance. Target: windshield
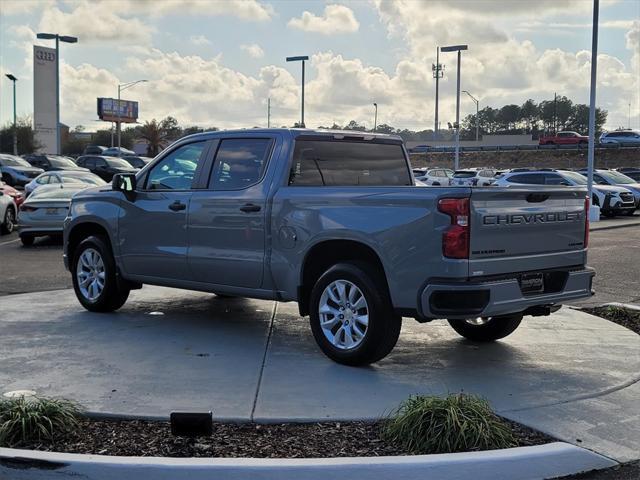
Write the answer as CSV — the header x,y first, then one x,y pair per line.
x,y
575,177
61,162
117,163
617,178
464,174
12,161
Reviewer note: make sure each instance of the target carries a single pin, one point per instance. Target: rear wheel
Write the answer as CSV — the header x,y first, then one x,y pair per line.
x,y
486,329
94,276
9,221
351,315
631,212
27,240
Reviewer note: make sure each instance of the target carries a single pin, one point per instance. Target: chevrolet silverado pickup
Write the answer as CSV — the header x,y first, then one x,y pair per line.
x,y
334,221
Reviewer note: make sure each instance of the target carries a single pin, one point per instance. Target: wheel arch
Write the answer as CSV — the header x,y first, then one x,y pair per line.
x,y
322,255
83,230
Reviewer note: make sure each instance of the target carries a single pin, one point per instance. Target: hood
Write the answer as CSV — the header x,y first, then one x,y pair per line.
x,y
24,169
610,189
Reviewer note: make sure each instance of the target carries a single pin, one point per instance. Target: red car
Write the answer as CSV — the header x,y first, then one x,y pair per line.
x,y
564,138
17,196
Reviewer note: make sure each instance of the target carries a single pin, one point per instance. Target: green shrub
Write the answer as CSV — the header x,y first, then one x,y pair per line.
x,y
25,420
455,423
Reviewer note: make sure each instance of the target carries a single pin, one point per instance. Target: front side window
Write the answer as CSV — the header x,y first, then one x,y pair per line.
x,y
553,179
342,163
43,180
177,169
239,163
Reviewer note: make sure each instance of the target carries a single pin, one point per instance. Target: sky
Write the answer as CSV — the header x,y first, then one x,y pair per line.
x,y
215,62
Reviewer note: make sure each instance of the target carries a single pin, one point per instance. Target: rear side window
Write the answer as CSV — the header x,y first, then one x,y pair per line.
x,y
526,179
239,163
340,163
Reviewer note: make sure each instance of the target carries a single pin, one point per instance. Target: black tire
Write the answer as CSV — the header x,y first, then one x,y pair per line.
x,y
384,324
630,213
494,329
9,221
8,179
112,296
609,213
27,240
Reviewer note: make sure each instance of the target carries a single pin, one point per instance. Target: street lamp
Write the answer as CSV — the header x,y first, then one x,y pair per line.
x,y
124,86
456,48
15,127
58,39
375,118
477,110
300,59
592,108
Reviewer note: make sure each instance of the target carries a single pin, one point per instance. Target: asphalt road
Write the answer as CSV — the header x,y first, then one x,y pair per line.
x,y
615,254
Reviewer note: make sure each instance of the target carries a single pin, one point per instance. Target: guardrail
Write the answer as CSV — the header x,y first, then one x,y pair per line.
x,y
506,148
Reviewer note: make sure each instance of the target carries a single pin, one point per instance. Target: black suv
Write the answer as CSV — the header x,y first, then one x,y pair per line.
x,y
51,162
105,167
94,150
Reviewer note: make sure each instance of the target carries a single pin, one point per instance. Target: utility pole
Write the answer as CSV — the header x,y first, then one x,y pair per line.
x,y
301,58
629,114
477,102
375,118
437,71
269,112
15,124
457,48
592,100
555,113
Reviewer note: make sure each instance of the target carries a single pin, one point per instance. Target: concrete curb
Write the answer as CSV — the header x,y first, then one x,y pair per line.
x,y
523,463
594,228
628,306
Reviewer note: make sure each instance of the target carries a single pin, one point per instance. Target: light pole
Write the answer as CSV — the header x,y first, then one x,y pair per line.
x,y
477,111
124,86
457,48
58,39
15,126
375,118
438,73
592,102
300,59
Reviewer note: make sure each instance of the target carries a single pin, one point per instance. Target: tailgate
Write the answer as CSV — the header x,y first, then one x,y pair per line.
x,y
526,229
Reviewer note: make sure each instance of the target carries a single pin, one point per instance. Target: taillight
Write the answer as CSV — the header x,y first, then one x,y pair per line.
x,y
27,208
455,239
587,203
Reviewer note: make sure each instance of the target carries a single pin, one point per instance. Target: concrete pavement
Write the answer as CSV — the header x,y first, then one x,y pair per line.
x,y
571,375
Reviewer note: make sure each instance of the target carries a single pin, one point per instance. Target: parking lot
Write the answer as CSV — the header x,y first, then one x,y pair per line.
x,y
613,252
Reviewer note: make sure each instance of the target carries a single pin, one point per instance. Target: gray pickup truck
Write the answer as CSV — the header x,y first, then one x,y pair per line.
x,y
331,220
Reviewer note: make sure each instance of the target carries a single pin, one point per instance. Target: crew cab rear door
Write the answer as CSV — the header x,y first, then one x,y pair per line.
x,y
526,229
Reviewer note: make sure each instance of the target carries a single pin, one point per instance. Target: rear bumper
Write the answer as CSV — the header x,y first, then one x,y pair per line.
x,y
497,297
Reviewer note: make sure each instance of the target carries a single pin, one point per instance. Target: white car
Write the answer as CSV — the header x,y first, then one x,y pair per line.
x,y
612,200
63,176
7,213
621,136
435,176
473,177
612,177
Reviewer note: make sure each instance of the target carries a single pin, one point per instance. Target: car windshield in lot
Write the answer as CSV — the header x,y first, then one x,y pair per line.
x,y
13,161
60,162
117,163
575,177
83,178
345,163
464,174
617,178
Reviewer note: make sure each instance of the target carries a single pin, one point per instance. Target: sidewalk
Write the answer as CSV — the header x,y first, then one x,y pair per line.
x,y
615,222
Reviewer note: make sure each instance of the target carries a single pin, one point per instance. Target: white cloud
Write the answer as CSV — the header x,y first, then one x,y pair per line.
x,y
250,10
199,40
21,7
335,19
94,23
254,50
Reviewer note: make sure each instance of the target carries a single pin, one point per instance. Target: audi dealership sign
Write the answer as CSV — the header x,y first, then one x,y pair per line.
x,y
44,99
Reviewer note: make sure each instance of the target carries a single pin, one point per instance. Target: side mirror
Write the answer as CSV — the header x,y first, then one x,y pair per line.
x,y
124,182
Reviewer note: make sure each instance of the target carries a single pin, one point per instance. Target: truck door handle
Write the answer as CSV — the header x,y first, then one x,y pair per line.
x,y
177,206
250,207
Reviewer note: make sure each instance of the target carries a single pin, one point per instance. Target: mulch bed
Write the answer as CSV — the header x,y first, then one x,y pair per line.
x,y
311,440
627,318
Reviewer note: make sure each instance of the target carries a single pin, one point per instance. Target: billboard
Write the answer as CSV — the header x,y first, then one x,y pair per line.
x,y
114,110
44,99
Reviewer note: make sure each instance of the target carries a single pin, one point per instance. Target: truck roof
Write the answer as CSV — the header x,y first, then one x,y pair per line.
x,y
296,132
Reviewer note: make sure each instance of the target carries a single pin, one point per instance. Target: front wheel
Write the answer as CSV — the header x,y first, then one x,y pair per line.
x,y
486,329
351,315
9,221
94,276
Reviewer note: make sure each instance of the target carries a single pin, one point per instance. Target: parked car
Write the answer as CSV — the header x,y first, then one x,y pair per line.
x,y
43,213
94,150
436,176
621,136
7,213
631,172
420,149
66,176
611,177
333,221
481,177
105,167
17,195
52,162
136,161
612,200
16,171
117,152
564,138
